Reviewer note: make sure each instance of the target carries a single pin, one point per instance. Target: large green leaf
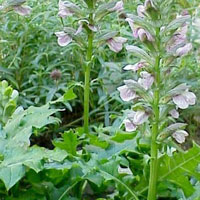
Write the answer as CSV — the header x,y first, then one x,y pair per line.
x,y
15,150
69,142
113,149
19,128
8,99
178,169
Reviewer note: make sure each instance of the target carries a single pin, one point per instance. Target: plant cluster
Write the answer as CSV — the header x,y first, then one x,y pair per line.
x,y
135,150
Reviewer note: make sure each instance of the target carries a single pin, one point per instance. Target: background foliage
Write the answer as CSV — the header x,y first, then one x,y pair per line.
x,y
73,166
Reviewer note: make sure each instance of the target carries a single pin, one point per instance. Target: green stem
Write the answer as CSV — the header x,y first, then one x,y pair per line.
x,y
87,79
155,130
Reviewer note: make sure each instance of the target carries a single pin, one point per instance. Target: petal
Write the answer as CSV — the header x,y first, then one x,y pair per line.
x,y
126,94
180,135
180,101
145,74
182,51
146,81
92,28
131,67
133,28
129,126
140,117
191,97
119,6
135,67
141,11
115,44
63,38
22,10
64,13
142,34
79,30
61,5
174,113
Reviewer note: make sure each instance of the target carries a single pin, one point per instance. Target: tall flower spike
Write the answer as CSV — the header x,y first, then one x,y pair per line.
x,y
180,136
63,38
22,10
116,43
184,99
126,93
119,6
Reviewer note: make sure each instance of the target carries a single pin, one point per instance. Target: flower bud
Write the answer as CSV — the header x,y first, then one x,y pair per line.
x,y
56,74
63,38
174,113
119,6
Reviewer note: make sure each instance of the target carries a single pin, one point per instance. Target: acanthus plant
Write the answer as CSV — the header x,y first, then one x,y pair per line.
x,y
157,99
87,33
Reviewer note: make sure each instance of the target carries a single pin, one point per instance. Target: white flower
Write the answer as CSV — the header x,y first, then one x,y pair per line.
x,y
146,80
139,32
141,11
80,28
63,38
138,117
126,93
67,8
184,99
64,11
116,43
182,51
22,10
119,6
180,136
174,113
134,119
136,66
129,126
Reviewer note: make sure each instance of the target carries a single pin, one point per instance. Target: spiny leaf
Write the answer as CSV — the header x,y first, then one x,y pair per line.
x,y
69,142
113,149
177,169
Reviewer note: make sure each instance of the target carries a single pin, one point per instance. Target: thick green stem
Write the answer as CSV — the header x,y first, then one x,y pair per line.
x,y
155,130
87,82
